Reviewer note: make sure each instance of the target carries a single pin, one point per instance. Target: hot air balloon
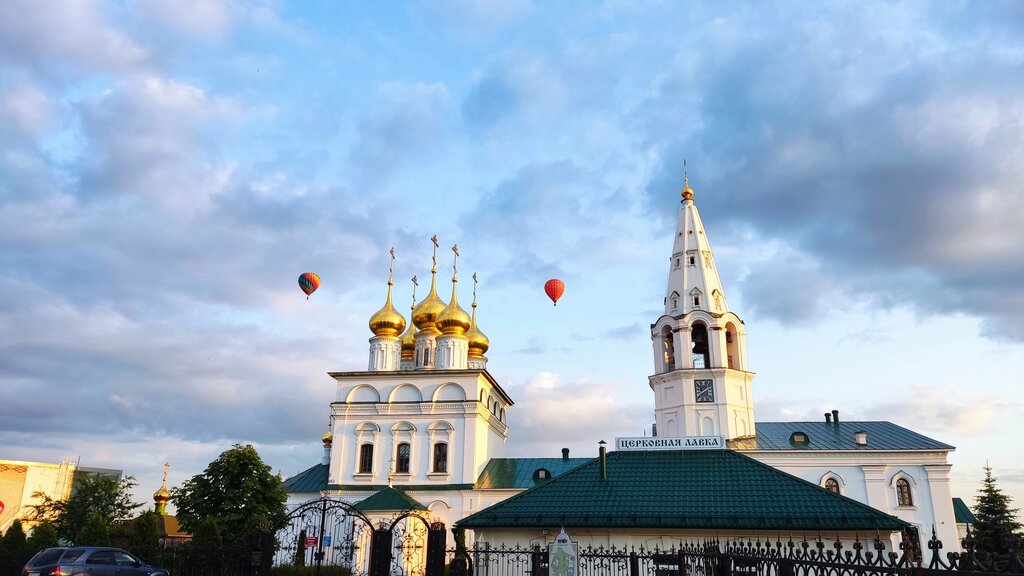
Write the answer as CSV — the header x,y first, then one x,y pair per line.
x,y
309,282
554,289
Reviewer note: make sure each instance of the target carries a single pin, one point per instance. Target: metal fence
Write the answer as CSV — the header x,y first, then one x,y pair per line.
x,y
747,558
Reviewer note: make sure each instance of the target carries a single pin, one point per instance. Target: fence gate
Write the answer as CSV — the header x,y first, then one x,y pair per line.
x,y
413,546
325,532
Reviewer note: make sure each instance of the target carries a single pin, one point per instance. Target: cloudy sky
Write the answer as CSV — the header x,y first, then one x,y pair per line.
x,y
168,169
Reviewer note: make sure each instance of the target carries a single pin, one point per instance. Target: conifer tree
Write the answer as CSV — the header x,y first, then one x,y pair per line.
x,y
13,549
996,526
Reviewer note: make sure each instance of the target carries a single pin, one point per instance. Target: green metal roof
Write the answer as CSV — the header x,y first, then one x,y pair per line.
x,y
310,480
717,489
511,473
962,513
833,436
388,499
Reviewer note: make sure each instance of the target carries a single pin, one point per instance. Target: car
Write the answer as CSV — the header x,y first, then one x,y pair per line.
x,y
89,561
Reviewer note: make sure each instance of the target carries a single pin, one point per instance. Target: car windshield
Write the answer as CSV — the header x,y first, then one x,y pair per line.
x,y
48,556
72,555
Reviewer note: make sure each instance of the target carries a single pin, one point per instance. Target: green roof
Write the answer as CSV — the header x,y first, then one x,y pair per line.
x,y
388,499
836,436
511,473
310,480
962,513
717,489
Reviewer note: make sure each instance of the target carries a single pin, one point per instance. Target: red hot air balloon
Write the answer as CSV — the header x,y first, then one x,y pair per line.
x,y
554,289
309,282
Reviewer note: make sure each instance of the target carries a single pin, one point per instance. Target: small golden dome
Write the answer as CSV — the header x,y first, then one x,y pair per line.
x,y
387,321
162,495
478,341
453,319
424,315
687,191
328,438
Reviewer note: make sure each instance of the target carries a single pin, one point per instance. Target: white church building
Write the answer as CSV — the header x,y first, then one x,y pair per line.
x,y
427,417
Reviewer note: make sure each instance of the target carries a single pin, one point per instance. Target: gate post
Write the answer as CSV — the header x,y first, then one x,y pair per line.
x,y
436,540
634,564
380,552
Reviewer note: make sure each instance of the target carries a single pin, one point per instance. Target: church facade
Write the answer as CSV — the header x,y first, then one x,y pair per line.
x,y
427,417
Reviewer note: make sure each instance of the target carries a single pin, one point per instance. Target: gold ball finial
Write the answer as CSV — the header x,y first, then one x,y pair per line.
x,y
687,191
327,438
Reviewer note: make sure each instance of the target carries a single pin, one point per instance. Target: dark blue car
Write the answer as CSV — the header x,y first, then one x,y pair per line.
x,y
88,561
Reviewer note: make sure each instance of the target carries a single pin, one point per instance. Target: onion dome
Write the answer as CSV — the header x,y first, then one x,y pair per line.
x,y
327,439
453,319
163,495
424,315
387,321
687,191
478,341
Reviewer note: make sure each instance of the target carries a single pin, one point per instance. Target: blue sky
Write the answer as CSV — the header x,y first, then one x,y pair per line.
x,y
168,169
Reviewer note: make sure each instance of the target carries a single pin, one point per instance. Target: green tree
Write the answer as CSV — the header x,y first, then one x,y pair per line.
x,y
238,491
13,549
109,498
207,535
96,532
996,525
43,536
144,534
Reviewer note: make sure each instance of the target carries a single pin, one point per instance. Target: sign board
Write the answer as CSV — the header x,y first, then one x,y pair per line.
x,y
563,556
671,443
311,541
327,541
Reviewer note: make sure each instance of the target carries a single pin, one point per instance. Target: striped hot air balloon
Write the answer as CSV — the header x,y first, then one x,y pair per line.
x,y
309,282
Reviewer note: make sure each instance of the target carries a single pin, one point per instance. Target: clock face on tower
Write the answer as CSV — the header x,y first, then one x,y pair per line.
x,y
704,390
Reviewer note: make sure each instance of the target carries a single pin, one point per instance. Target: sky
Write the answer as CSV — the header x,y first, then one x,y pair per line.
x,y
168,169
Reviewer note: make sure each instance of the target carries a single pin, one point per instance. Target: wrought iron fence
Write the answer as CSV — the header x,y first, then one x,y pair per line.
x,y
189,561
744,558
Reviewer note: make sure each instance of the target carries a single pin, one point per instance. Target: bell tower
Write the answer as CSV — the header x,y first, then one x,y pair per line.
x,y
701,384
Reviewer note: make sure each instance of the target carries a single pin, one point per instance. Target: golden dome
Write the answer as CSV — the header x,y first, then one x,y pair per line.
x,y
328,438
424,315
453,319
687,191
478,341
162,495
387,321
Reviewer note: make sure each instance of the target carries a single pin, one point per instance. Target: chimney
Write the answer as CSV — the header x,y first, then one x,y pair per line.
x,y
603,455
828,417
565,453
835,416
860,437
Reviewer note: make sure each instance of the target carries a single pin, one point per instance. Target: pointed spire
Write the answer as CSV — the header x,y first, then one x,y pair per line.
x,y
687,191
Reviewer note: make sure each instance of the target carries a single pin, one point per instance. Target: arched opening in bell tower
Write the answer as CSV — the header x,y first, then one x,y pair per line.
x,y
732,339
700,350
668,349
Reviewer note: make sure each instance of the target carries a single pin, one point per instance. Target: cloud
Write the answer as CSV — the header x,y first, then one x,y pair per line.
x,y
938,410
574,414
472,19
889,169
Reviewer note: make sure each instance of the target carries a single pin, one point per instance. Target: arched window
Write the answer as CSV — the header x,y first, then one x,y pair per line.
x,y
668,349
701,352
903,496
441,457
366,459
832,485
402,458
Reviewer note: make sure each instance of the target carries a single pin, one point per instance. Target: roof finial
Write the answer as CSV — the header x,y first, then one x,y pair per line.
x,y
391,268
166,466
455,262
474,289
414,285
687,191
433,268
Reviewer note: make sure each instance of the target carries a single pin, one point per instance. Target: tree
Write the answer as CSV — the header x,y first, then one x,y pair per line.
x,y
996,525
13,549
96,532
238,491
43,536
109,498
144,534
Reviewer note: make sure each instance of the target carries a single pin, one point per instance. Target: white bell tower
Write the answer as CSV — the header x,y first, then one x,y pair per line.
x,y
701,383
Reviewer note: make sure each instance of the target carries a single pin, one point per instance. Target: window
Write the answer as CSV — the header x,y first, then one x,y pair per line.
x,y
366,459
441,457
402,459
799,438
832,485
101,557
696,300
903,496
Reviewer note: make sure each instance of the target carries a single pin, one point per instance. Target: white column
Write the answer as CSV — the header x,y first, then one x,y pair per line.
x,y
942,508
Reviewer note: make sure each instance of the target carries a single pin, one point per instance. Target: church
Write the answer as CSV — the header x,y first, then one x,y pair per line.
x,y
425,427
